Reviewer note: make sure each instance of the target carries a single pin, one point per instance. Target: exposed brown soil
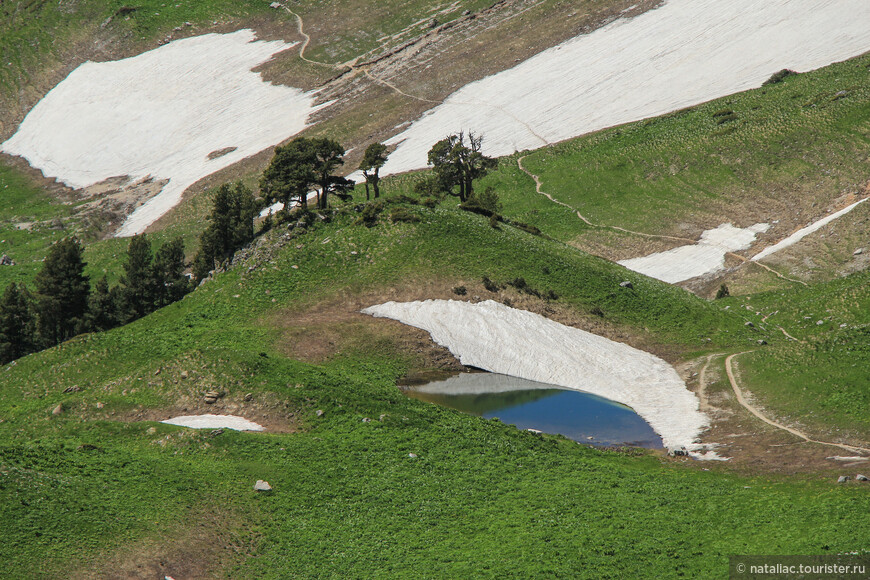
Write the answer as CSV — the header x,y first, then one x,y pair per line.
x,y
318,332
186,383
755,446
202,546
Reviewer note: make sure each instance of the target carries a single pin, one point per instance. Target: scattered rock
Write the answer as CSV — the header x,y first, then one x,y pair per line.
x,y
382,417
748,324
761,342
590,438
466,12
319,413
183,374
626,284
262,486
6,261
680,452
843,479
100,405
857,252
151,430
211,397
535,431
275,5
820,322
249,397
57,410
72,389
412,455
157,372
433,23
860,477
366,420
216,432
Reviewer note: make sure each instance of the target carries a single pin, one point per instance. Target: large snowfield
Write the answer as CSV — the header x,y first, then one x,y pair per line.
x,y
505,340
161,114
680,54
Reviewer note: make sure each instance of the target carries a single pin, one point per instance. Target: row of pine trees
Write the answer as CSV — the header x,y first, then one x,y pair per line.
x,y
63,304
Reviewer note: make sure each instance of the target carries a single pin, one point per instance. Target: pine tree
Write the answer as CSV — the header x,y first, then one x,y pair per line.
x,y
17,323
63,291
103,307
168,272
373,159
231,227
138,286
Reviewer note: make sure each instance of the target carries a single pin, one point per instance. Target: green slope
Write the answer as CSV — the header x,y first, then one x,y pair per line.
x,y
347,499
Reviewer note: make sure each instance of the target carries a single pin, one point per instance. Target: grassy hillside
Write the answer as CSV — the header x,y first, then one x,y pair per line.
x,y
785,154
93,486
826,372
368,482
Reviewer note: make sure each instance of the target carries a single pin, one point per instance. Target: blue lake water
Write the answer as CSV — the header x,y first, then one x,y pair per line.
x,y
532,405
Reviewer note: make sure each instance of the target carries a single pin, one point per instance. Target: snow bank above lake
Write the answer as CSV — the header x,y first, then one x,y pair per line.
x,y
480,384
514,342
705,257
683,53
161,114
215,422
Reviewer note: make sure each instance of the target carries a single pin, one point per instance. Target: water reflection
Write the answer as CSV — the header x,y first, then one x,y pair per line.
x,y
532,405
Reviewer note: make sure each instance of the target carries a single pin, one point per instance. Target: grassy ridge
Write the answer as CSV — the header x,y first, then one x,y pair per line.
x,y
348,499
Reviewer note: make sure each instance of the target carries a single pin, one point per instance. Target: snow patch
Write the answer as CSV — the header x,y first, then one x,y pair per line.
x,y
215,422
680,54
161,114
705,257
804,232
505,340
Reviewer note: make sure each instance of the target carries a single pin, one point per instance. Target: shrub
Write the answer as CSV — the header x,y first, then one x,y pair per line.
x,y
460,290
722,292
528,228
403,214
725,116
778,77
490,285
370,213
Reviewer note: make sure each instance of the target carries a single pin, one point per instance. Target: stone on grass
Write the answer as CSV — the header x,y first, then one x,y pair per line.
x,y
262,486
57,410
843,479
860,477
626,284
366,420
319,413
412,455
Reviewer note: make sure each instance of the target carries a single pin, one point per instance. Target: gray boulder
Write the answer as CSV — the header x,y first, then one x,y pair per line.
x,y
262,486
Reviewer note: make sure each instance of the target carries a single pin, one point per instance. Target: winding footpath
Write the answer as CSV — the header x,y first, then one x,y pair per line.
x,y
738,392
743,259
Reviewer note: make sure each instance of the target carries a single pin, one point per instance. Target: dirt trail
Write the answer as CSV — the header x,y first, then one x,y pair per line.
x,y
702,383
743,402
743,259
